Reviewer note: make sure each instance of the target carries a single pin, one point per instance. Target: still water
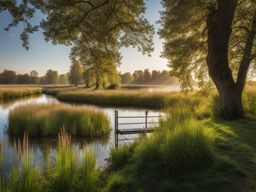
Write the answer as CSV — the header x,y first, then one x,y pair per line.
x,y
43,149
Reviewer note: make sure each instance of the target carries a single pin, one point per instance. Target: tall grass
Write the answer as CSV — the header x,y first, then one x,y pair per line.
x,y
70,172
249,99
17,92
24,176
180,146
128,98
56,90
48,120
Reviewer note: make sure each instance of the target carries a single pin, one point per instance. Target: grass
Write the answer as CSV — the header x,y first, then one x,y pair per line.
x,y
191,152
68,173
128,98
56,89
17,92
48,120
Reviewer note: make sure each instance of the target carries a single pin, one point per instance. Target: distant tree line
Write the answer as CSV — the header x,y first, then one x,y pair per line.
x,y
51,77
79,75
146,77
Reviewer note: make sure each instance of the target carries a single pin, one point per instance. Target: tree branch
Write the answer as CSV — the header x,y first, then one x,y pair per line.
x,y
246,60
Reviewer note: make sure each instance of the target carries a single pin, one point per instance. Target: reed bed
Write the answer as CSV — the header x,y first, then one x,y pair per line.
x,y
56,90
69,172
128,98
17,92
48,120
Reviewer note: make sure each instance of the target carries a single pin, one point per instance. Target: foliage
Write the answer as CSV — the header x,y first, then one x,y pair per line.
x,y
76,72
96,30
146,77
184,32
48,120
7,77
52,77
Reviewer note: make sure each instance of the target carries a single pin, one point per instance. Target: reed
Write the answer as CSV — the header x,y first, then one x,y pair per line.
x,y
56,90
17,92
48,119
128,98
69,172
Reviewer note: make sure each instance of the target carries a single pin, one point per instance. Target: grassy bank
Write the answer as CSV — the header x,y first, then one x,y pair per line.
x,y
17,92
56,90
128,98
187,154
47,120
69,171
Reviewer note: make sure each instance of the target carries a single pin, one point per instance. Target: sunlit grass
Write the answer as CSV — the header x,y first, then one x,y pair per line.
x,y
17,92
69,172
128,98
48,119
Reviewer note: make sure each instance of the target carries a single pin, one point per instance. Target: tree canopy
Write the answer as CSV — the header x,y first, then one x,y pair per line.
x,y
184,29
212,36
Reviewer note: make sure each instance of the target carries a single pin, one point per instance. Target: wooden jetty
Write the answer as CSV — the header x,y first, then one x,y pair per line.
x,y
145,128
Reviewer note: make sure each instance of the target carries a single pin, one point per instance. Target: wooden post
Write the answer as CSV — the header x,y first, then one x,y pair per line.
x,y
116,128
146,120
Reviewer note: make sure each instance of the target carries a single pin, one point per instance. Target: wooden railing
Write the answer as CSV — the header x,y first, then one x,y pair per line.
x,y
145,128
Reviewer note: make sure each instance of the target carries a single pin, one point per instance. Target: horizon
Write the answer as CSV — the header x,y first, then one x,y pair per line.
x,y
43,55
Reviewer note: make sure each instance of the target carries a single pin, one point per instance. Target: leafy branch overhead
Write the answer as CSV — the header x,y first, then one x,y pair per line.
x,y
110,23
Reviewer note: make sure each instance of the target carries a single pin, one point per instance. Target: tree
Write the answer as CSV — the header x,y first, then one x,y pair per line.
x,y
96,29
34,77
88,78
52,77
7,77
138,76
214,36
76,72
126,78
63,79
147,76
23,79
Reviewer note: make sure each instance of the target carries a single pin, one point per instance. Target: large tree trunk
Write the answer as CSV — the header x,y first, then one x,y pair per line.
x,y
219,31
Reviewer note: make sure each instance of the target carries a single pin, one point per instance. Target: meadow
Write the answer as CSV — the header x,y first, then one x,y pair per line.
x,y
18,92
127,98
192,150
48,120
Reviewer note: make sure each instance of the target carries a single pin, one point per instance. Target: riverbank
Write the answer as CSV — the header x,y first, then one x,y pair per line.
x,y
48,120
18,92
193,150
186,154
128,98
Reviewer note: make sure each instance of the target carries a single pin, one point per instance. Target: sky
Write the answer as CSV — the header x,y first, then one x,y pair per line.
x,y
44,55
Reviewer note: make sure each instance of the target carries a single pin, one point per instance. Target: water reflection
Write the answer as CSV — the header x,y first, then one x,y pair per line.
x,y
44,149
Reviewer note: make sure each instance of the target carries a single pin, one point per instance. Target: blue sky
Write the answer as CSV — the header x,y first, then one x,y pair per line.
x,y
43,56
